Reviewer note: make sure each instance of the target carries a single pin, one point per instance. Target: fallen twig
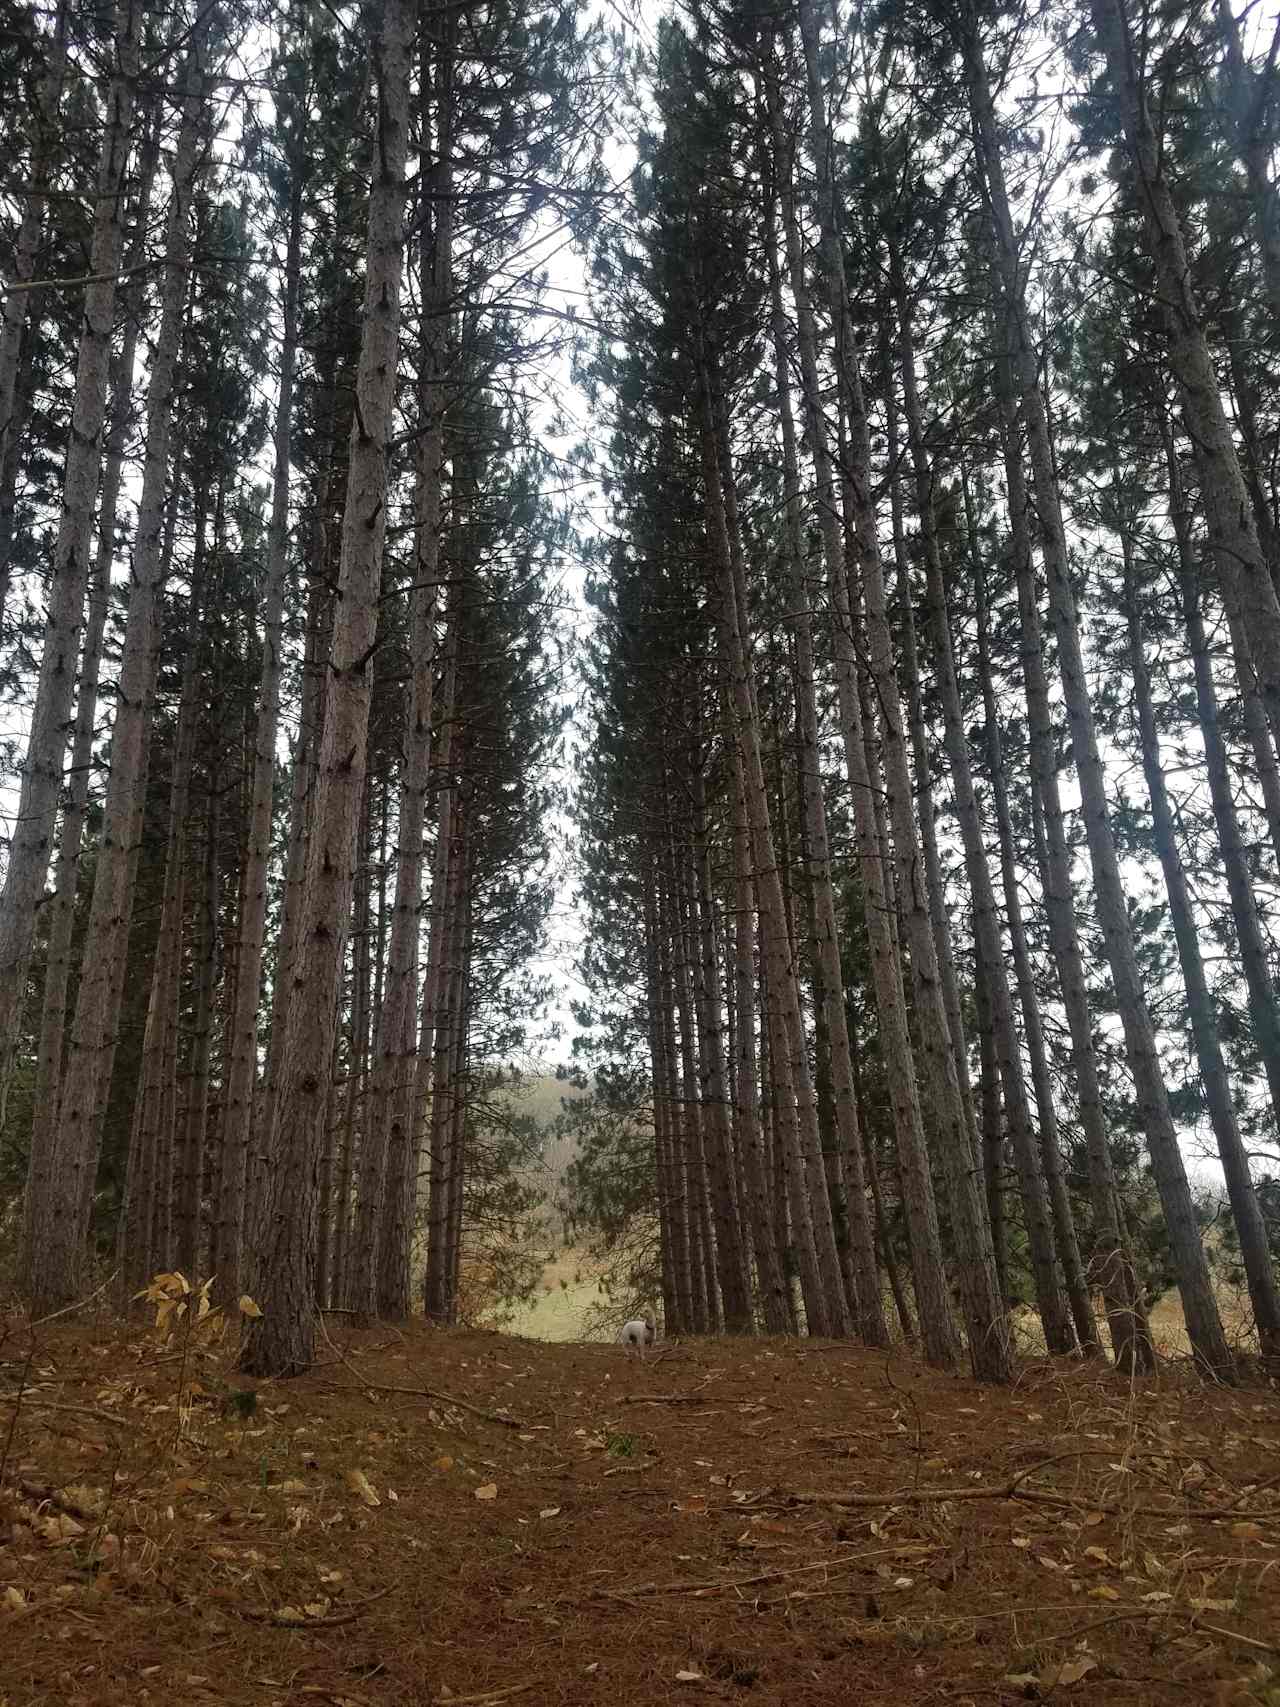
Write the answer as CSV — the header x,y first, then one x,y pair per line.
x,y
70,1309
51,1496
1015,1489
689,1398
349,1616
1197,1623
421,1392
488,1696
31,1398
698,1585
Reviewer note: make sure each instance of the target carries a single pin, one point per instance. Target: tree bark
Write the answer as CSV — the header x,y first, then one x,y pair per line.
x,y
51,709
731,1267
932,1294
242,1073
282,1340
775,1302
1254,960
1200,1309
819,1260
19,302
1250,95
95,1028
58,959
1064,1228
1113,1268
386,1201
1254,1252
1233,536
1050,1300
990,1352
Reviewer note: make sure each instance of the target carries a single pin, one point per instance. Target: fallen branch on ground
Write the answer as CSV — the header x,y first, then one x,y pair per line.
x,y
31,1398
699,1585
419,1392
689,1398
349,1616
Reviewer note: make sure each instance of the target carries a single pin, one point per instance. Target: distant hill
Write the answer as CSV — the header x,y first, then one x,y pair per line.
x,y
542,1098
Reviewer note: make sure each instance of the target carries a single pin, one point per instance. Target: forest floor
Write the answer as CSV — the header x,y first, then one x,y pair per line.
x,y
467,1518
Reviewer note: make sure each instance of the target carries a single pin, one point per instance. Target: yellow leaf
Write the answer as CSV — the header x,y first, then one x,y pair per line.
x,y
359,1484
444,1463
317,1608
1068,1673
249,1308
1103,1592
14,1598
489,1491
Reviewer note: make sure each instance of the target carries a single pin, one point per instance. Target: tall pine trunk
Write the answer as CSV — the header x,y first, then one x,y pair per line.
x,y
1113,1268
932,1295
282,1340
41,784
1233,536
62,1220
990,1352
242,1072
1255,1253
19,297
1200,1309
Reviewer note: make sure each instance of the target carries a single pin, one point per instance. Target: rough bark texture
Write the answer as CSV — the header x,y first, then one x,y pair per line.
x,y
94,1031
990,1352
386,1201
731,1265
58,958
1200,1309
1250,1228
238,1094
1112,1267
282,1340
986,920
41,783
868,1305
933,1299
19,299
775,1300
1233,536
1064,1229
1254,962
819,1261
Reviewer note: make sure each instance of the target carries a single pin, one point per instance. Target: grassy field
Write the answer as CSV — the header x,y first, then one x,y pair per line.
x,y
567,1297
569,1301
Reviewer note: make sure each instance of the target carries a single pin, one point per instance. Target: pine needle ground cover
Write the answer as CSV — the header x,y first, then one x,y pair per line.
x,y
440,1516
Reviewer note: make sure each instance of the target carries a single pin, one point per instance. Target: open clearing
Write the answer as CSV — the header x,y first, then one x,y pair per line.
x,y
763,1521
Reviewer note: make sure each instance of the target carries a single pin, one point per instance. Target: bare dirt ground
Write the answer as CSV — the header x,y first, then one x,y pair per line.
x,y
437,1517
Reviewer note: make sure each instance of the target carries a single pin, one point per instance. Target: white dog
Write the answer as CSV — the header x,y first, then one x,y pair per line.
x,y
637,1334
